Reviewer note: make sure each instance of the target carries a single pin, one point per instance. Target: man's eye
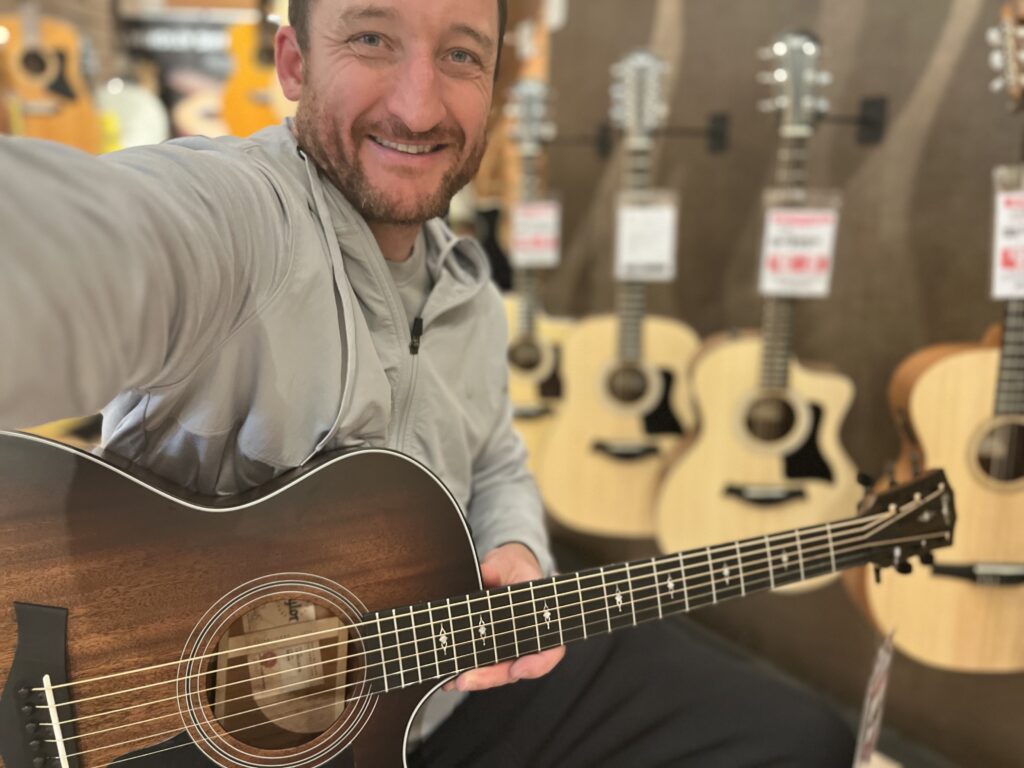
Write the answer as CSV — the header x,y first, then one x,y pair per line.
x,y
462,57
370,39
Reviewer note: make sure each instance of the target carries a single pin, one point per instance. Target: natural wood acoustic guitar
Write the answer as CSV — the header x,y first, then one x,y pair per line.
x,y
768,451
44,60
307,621
626,410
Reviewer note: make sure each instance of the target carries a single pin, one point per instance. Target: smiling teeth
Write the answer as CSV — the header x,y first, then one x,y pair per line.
x,y
408,149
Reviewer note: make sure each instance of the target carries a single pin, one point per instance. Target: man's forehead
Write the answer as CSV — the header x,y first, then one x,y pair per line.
x,y
480,16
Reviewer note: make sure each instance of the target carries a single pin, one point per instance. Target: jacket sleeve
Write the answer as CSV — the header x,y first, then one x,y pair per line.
x,y
124,271
505,505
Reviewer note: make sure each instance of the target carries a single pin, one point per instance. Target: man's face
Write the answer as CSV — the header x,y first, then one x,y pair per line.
x,y
395,98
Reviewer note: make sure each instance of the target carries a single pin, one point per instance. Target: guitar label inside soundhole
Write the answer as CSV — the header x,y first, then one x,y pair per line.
x,y
770,418
280,677
1001,452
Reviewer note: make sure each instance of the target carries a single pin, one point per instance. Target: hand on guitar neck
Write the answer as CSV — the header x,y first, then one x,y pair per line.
x,y
508,564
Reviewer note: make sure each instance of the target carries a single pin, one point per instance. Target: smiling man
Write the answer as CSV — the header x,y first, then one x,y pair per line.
x,y
238,305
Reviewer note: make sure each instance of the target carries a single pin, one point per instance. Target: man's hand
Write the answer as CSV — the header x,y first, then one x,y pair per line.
x,y
508,564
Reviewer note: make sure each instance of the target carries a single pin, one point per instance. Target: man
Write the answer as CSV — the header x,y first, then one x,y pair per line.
x,y
243,304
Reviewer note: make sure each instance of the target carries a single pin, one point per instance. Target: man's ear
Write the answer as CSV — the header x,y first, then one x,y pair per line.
x,y
289,62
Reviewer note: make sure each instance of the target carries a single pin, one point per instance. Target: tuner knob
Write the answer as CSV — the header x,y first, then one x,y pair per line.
x,y
994,36
927,558
997,60
997,85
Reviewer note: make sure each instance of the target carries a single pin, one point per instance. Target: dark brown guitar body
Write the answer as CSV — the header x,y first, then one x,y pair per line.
x,y
138,570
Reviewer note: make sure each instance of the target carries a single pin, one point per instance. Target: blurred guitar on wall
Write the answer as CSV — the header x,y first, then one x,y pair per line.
x,y
626,409
768,450
44,59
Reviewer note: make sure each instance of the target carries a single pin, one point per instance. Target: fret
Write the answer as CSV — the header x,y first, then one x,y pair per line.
x,y
525,622
583,610
607,602
630,594
753,559
426,656
442,641
549,617
711,576
462,634
700,587
480,623
682,578
372,652
417,644
657,586
399,648
502,625
646,590
571,625
784,555
389,653
472,634
739,568
726,570
536,616
768,557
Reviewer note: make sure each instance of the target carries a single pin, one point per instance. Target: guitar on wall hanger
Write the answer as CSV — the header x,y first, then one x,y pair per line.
x,y
138,626
626,404
44,60
966,407
535,338
768,451
253,99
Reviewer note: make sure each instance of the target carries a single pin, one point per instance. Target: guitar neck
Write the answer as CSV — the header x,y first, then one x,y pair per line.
x,y
432,641
525,280
632,297
1010,390
778,314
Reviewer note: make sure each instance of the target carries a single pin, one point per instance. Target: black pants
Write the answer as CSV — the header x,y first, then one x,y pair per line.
x,y
656,695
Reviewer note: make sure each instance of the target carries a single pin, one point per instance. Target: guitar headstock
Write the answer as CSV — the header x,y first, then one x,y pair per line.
x,y
638,100
527,107
795,78
911,520
1007,54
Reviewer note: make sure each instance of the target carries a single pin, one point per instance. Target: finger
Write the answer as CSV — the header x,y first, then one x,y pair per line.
x,y
490,574
537,664
486,677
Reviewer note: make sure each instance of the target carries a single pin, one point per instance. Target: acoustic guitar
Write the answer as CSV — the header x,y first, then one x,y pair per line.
x,y
626,410
966,406
44,60
535,338
252,94
768,452
309,619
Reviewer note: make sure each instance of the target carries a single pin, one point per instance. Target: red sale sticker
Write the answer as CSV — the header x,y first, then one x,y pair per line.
x,y
797,252
537,235
1008,246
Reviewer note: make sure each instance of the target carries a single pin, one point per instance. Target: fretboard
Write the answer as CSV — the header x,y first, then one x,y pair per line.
x,y
778,314
432,641
525,280
1010,391
632,297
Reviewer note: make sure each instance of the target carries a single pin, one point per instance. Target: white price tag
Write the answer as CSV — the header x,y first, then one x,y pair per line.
x,y
874,706
645,237
1008,250
798,251
537,235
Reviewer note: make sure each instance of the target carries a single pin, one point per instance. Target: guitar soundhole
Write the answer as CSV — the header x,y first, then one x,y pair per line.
x,y
1001,452
281,677
33,62
770,418
627,384
524,354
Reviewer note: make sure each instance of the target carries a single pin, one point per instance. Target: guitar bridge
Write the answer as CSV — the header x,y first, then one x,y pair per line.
x,y
764,495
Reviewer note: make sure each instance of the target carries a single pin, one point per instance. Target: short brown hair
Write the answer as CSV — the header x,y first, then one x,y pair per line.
x,y
298,17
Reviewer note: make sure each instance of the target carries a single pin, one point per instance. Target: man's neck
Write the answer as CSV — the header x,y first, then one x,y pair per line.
x,y
395,241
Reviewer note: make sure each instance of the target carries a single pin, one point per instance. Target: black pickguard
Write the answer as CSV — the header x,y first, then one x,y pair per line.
x,y
807,461
661,420
552,385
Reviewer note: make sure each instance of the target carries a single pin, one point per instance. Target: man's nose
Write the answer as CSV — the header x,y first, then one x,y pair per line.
x,y
416,95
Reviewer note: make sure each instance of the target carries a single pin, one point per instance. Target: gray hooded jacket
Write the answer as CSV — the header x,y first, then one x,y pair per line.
x,y
235,316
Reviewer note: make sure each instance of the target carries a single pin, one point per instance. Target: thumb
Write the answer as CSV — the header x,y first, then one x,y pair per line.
x,y
490,574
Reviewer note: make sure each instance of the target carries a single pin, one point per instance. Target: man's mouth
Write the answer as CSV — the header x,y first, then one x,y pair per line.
x,y
407,149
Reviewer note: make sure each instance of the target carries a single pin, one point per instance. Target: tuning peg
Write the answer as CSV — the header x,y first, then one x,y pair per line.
x,y
824,78
899,562
780,75
809,48
993,36
927,558
997,59
997,85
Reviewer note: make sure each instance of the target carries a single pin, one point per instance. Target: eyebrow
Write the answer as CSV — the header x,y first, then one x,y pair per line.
x,y
475,34
368,12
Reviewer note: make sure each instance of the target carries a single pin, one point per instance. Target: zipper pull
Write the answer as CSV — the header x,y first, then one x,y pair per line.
x,y
417,333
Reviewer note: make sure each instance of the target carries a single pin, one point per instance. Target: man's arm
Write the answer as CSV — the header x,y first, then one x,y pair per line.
x,y
124,271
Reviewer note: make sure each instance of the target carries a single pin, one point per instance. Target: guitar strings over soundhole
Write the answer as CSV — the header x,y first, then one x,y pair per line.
x,y
627,384
291,687
770,418
1001,452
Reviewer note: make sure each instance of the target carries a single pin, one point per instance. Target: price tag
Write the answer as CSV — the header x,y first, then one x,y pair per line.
x,y
1008,250
646,230
798,251
874,706
537,235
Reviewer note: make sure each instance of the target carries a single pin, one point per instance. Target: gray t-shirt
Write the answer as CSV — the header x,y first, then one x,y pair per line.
x,y
413,279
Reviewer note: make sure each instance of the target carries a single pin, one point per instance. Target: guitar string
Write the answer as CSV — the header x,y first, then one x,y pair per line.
x,y
635,603
517,591
866,521
535,615
652,615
